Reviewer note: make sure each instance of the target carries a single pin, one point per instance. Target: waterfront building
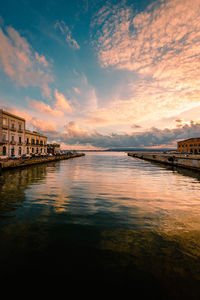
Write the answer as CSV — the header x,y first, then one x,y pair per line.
x,y
16,140
35,142
191,145
53,148
12,134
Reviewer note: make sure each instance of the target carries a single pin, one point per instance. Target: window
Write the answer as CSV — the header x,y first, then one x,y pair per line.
x,y
37,142
32,141
32,150
36,150
27,150
12,151
20,151
27,140
4,150
41,150
13,138
13,125
4,137
4,121
20,139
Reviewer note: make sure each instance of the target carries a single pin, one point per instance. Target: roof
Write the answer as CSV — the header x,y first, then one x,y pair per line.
x,y
34,133
196,139
11,115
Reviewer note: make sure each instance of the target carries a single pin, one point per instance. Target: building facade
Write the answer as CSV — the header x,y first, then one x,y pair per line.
x,y
16,140
189,146
35,142
12,134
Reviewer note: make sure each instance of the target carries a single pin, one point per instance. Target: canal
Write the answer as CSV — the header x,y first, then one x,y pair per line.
x,y
103,219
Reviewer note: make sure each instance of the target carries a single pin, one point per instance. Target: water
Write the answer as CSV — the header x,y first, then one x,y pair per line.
x,y
104,218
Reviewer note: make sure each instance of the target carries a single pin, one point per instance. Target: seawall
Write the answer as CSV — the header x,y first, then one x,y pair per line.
x,y
189,161
10,164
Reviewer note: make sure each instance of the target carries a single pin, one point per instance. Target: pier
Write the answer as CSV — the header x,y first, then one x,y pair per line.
x,y
10,164
189,161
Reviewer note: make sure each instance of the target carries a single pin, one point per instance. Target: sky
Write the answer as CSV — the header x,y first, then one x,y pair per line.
x,y
103,74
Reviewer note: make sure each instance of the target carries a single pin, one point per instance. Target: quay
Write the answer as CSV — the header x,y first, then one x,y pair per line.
x,y
189,161
10,164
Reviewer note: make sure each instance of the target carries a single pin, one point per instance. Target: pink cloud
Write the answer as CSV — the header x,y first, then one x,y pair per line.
x,y
21,63
68,34
45,108
76,90
160,45
47,126
62,103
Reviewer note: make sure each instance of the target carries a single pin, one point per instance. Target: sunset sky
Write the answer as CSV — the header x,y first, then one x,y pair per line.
x,y
101,74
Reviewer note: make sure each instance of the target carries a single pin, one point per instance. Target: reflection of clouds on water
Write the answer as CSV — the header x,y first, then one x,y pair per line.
x,y
111,189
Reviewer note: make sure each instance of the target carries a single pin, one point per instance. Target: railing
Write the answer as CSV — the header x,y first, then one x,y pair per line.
x,y
13,129
2,142
5,126
13,143
20,130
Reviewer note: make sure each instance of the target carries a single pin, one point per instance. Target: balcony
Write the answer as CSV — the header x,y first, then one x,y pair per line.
x,y
20,143
28,143
3,142
13,129
5,126
13,143
20,130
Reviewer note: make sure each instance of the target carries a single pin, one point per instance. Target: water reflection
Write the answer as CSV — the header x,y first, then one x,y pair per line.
x,y
117,218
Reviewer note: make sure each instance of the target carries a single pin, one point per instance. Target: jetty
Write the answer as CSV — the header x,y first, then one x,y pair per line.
x,y
19,163
189,161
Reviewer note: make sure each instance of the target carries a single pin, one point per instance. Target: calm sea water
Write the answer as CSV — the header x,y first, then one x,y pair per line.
x,y
105,218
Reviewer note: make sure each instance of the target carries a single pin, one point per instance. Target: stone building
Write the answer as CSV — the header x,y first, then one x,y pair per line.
x,y
35,142
16,140
191,145
12,134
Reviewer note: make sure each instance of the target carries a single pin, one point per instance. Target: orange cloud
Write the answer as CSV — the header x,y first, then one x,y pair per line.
x,y
161,46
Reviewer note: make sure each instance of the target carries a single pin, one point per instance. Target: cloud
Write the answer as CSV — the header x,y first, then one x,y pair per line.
x,y
73,131
160,46
62,103
34,123
154,137
167,29
76,90
46,127
68,34
61,106
44,108
21,63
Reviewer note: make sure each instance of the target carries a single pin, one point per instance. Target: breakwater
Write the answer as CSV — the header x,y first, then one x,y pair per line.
x,y
189,161
10,164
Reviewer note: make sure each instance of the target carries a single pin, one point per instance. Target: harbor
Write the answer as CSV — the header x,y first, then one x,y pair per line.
x,y
17,163
189,161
